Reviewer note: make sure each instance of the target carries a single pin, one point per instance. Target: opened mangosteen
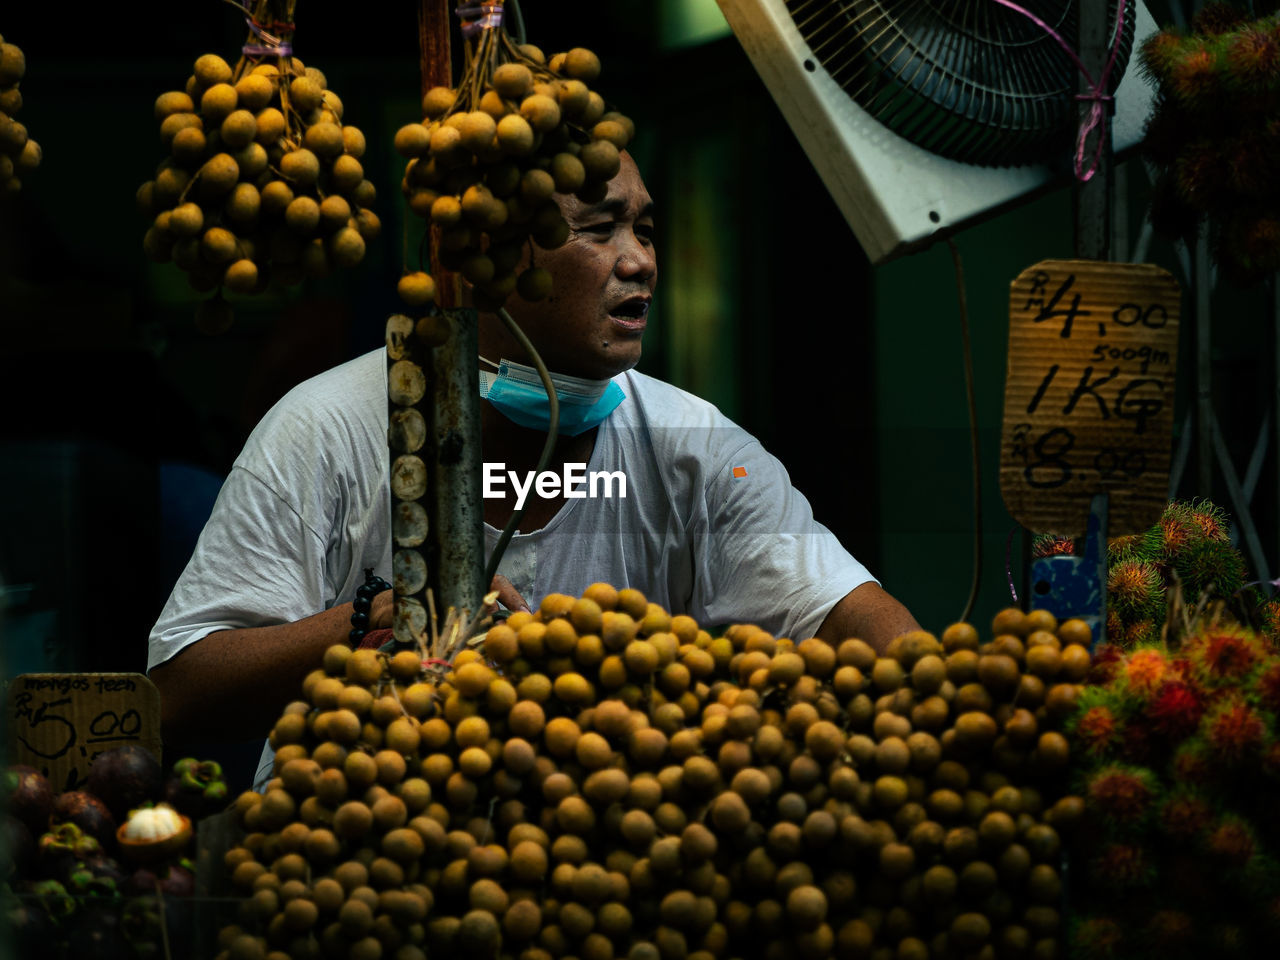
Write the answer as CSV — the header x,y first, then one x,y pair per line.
x,y
88,813
124,778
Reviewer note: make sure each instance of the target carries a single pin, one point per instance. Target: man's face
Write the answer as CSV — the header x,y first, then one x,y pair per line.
x,y
604,276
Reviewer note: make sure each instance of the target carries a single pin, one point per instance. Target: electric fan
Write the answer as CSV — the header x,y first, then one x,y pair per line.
x,y
924,115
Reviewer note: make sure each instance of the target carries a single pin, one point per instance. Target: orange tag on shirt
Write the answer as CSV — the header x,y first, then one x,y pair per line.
x,y
739,472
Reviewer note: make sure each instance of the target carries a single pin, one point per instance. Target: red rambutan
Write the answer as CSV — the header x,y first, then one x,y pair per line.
x,y
1121,795
1175,711
1185,815
1217,17
1135,744
1169,928
1135,589
1234,731
1226,654
1097,938
1250,60
1268,686
1106,663
1122,866
1232,841
1098,730
1159,53
1271,760
1193,74
1209,520
1145,670
1191,764
1051,545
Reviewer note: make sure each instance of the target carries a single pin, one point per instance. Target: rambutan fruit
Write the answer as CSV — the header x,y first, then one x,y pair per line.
x,y
1217,17
1135,746
1126,547
1175,710
1191,762
1158,54
1209,566
1096,728
1122,796
1052,545
1106,663
1135,589
1271,760
1267,685
1194,74
1098,938
1184,814
1249,170
1122,866
1234,731
1224,655
1169,929
1251,58
1209,520
1269,615
1232,842
1144,671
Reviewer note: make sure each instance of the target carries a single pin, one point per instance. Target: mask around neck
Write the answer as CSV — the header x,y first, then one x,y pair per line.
x,y
517,392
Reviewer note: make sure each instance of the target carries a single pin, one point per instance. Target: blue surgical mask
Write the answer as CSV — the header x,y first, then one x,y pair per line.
x,y
517,392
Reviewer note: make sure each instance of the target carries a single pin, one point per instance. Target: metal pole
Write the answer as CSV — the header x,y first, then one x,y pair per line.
x,y
455,537
1092,207
1204,392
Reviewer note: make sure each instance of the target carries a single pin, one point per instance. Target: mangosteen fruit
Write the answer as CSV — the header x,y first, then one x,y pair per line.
x,y
29,797
17,848
172,880
88,813
124,778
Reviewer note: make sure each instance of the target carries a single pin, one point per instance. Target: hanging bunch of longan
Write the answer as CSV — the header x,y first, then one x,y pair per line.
x,y
488,155
600,779
263,180
19,154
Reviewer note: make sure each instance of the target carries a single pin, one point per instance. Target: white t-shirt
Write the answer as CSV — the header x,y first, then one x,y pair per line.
x,y
710,525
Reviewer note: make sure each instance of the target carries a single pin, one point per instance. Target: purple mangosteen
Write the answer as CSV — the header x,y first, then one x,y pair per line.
x,y
29,796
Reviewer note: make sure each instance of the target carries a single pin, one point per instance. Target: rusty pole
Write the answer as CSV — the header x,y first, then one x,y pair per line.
x,y
455,544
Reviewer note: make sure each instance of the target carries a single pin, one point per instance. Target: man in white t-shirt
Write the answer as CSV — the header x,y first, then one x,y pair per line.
x,y
709,525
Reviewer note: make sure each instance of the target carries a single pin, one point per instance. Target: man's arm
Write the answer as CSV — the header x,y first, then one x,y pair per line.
x,y
868,613
233,684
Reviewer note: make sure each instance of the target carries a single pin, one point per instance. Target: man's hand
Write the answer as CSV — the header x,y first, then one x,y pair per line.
x,y
508,596
868,613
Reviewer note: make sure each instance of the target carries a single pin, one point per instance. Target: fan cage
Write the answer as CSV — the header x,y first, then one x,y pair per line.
x,y
971,80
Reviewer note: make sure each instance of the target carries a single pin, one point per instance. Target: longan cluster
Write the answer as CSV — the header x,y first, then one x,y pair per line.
x,y
600,779
488,156
263,180
19,154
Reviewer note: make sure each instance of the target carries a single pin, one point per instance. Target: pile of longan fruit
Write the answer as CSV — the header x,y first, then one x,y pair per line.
x,y
600,779
262,181
488,156
19,154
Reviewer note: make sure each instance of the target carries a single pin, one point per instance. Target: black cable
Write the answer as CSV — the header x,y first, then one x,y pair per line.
x,y
553,432
973,433
518,16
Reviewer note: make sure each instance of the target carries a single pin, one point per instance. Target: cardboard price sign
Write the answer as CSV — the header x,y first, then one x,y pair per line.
x,y
58,722
1088,403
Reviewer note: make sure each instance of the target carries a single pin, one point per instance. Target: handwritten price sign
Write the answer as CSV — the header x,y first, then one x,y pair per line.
x,y
58,722
1088,404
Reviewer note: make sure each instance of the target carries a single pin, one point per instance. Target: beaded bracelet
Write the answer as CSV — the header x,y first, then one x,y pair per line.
x,y
361,605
